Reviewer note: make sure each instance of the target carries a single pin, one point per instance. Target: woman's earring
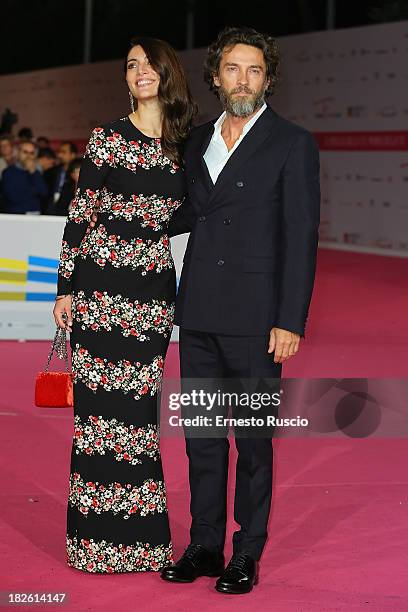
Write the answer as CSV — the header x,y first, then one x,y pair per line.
x,y
132,102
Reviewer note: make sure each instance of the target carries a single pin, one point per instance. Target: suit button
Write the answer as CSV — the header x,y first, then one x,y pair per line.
x,y
227,221
202,218
240,184
193,180
220,262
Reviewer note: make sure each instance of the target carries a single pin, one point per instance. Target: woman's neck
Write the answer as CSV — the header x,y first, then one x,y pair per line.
x,y
148,118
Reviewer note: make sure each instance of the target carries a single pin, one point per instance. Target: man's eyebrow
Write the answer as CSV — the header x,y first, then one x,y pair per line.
x,y
251,66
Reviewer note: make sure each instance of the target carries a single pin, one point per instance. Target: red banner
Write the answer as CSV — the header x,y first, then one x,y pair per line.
x,y
362,141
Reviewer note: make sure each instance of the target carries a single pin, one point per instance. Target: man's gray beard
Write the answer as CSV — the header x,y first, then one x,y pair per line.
x,y
241,107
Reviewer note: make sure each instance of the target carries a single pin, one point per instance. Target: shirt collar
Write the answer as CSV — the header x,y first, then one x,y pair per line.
x,y
247,126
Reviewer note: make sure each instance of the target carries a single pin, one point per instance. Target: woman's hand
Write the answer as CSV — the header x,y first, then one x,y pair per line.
x,y
62,309
94,217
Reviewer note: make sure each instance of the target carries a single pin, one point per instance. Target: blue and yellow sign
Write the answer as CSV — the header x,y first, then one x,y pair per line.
x,y
20,272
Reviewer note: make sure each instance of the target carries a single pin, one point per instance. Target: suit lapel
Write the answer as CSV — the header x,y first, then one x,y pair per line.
x,y
259,132
202,166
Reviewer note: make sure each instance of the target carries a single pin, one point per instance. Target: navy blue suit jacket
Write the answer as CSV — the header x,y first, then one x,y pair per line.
x,y
22,191
251,255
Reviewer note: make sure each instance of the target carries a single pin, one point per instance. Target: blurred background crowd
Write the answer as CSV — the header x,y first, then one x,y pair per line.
x,y
35,177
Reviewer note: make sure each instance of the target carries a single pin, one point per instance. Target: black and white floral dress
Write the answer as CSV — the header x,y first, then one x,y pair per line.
x,y
122,279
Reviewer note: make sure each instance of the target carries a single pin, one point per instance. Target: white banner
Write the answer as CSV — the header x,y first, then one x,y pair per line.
x,y
29,252
349,88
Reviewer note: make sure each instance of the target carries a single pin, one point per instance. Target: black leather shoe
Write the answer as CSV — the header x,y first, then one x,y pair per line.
x,y
196,561
239,576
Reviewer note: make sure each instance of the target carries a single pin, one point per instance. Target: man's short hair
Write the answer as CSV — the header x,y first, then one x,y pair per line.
x,y
25,133
47,152
72,146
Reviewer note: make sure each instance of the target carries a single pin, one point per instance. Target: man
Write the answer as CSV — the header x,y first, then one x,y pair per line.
x,y
46,159
6,153
253,212
56,177
22,184
6,160
63,205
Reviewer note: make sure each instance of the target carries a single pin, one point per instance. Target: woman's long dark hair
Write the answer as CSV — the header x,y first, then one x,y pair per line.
x,y
174,94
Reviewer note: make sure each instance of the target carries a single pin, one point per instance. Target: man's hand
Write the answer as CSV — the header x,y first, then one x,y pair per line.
x,y
285,344
63,305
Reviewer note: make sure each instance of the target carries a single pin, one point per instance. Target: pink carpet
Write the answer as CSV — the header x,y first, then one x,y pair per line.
x,y
338,537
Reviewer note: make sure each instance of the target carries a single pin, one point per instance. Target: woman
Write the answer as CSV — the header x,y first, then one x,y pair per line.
x,y
116,287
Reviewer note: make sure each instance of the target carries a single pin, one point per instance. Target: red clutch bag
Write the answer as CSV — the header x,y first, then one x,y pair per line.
x,y
54,389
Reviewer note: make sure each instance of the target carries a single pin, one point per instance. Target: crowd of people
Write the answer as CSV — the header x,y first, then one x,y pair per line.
x,y
35,178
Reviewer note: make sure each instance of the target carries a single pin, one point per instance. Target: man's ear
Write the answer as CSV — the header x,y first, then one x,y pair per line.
x,y
216,80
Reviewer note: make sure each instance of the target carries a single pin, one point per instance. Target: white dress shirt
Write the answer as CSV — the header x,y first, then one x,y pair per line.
x,y
217,154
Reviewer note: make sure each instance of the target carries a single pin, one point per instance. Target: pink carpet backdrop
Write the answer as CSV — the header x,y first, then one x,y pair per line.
x,y
337,534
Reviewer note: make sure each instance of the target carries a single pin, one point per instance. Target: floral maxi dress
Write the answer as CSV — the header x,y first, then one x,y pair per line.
x,y
122,280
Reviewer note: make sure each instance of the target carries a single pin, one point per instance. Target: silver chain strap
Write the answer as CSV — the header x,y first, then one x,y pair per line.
x,y
60,346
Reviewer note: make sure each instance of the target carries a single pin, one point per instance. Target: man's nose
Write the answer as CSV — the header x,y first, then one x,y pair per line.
x,y
242,78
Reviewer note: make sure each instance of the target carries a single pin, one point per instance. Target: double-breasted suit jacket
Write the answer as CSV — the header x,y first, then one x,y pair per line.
x,y
251,256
